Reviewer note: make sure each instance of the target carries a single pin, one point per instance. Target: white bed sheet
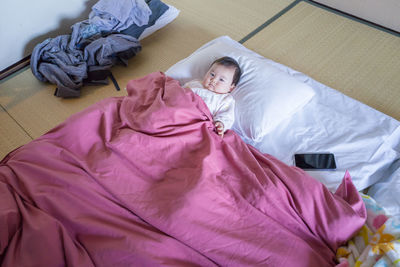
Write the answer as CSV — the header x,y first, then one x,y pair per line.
x,y
387,190
365,141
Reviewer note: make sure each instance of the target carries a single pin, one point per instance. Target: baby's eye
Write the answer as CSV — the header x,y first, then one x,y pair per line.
x,y
212,74
221,80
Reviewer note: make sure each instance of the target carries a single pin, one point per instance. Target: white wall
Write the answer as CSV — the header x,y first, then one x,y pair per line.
x,y
25,23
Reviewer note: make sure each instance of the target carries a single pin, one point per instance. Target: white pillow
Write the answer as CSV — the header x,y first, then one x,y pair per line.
x,y
265,95
167,17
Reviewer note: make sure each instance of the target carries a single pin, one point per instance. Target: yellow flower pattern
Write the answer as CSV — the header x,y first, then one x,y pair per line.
x,y
382,243
377,243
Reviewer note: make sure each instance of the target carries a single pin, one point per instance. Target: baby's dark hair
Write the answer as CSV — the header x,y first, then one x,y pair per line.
x,y
230,62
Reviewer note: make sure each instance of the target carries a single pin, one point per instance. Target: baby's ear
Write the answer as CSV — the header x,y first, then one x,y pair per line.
x,y
233,86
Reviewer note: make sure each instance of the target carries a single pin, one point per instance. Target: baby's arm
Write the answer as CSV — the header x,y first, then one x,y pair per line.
x,y
225,116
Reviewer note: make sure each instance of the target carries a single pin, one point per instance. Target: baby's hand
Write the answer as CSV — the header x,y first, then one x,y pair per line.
x,y
220,128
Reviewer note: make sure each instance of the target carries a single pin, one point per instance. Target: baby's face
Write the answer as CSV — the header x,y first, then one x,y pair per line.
x,y
219,79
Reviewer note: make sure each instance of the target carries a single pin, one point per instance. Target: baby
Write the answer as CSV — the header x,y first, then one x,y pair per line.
x,y
214,89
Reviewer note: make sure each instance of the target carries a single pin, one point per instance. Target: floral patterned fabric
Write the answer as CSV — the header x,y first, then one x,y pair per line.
x,y
378,242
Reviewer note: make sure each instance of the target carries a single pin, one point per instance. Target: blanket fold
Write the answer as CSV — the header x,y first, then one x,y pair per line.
x,y
145,180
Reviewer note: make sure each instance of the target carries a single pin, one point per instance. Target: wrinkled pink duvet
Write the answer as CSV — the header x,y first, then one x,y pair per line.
x,y
144,180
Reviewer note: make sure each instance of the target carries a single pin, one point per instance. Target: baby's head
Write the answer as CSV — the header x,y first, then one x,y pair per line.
x,y
223,75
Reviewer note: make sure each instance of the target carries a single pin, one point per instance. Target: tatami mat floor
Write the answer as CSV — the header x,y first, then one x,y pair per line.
x,y
358,60
349,56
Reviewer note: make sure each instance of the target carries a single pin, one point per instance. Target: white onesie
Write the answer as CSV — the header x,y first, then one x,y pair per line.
x,y
221,106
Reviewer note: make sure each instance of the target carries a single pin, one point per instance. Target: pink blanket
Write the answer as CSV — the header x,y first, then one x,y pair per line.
x,y
144,180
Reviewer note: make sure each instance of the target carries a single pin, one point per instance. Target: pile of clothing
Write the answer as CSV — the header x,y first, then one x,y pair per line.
x,y
108,37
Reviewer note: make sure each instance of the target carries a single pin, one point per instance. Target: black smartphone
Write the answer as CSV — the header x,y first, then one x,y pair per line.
x,y
315,161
